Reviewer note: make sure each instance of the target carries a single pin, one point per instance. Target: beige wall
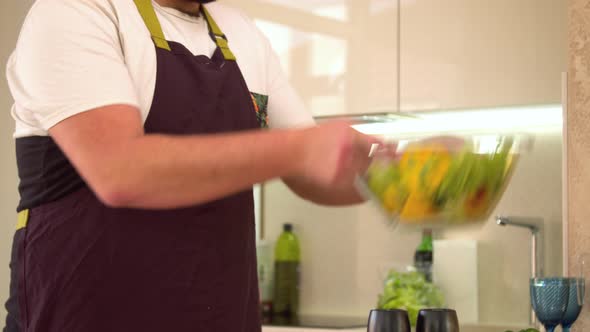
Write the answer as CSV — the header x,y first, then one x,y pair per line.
x,y
578,141
11,17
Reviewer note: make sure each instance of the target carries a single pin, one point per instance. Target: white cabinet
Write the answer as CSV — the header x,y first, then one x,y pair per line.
x,y
340,55
475,53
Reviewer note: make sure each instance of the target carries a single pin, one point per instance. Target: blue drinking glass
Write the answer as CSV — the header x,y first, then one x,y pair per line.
x,y
575,302
549,298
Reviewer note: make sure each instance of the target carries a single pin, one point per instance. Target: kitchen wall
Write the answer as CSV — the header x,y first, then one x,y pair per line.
x,y
11,16
346,249
578,142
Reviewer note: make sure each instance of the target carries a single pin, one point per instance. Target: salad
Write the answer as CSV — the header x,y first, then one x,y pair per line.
x,y
434,180
411,292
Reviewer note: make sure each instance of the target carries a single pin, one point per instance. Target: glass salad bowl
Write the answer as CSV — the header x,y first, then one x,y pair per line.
x,y
441,181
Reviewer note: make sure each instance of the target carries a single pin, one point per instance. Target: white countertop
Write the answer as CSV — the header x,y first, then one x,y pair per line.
x,y
291,329
467,328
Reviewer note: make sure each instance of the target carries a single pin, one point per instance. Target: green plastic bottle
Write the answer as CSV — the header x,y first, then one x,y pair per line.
x,y
287,260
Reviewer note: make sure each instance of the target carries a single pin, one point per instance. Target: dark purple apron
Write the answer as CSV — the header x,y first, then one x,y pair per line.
x,y
81,266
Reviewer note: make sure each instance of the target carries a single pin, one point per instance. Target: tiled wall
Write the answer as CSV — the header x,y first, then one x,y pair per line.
x,y
578,140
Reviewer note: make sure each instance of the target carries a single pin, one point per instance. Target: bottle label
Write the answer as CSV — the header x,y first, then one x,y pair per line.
x,y
423,264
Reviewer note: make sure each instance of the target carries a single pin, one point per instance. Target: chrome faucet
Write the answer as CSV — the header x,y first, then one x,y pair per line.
x,y
535,226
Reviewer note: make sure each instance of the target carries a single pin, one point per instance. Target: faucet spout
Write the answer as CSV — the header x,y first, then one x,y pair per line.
x,y
535,226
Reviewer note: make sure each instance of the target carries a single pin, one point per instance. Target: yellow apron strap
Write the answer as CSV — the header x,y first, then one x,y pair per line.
x,y
220,39
148,14
23,219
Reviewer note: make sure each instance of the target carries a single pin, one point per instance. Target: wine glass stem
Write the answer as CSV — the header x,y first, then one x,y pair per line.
x,y
550,328
565,329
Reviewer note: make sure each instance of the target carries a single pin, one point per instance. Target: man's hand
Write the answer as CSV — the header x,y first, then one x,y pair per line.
x,y
334,155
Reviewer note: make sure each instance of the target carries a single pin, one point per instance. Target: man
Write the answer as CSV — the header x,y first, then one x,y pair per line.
x,y
138,142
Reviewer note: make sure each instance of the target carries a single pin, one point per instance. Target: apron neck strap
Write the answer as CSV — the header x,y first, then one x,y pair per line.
x,y
148,14
218,36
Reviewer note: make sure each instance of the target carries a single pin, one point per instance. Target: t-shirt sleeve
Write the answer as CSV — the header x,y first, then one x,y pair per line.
x,y
285,107
68,60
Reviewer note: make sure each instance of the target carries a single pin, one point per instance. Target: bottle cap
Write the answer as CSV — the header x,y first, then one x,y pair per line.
x,y
288,227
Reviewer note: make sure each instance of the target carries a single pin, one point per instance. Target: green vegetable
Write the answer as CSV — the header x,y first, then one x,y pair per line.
x,y
409,291
382,175
470,172
473,175
428,183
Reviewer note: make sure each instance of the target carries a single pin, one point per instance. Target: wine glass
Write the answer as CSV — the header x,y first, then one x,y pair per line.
x,y
575,302
577,292
549,297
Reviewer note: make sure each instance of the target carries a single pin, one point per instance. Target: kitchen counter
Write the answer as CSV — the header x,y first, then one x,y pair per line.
x,y
491,328
291,329
317,323
466,328
338,323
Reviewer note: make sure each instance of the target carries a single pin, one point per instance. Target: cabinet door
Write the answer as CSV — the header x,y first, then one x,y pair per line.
x,y
340,55
476,53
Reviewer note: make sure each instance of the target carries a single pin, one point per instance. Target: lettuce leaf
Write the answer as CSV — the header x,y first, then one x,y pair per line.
x,y
409,291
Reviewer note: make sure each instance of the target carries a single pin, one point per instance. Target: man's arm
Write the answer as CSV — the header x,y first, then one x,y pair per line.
x,y
128,168
335,196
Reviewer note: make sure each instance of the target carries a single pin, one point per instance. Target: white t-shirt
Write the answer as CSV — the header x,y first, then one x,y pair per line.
x,y
76,55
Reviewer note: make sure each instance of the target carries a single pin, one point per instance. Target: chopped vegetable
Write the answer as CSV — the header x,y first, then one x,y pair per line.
x,y
431,182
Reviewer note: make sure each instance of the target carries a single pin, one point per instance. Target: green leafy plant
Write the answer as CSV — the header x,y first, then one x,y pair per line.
x,y
409,291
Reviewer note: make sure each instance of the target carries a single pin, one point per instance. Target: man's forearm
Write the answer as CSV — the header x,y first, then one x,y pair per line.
x,y
158,171
335,196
